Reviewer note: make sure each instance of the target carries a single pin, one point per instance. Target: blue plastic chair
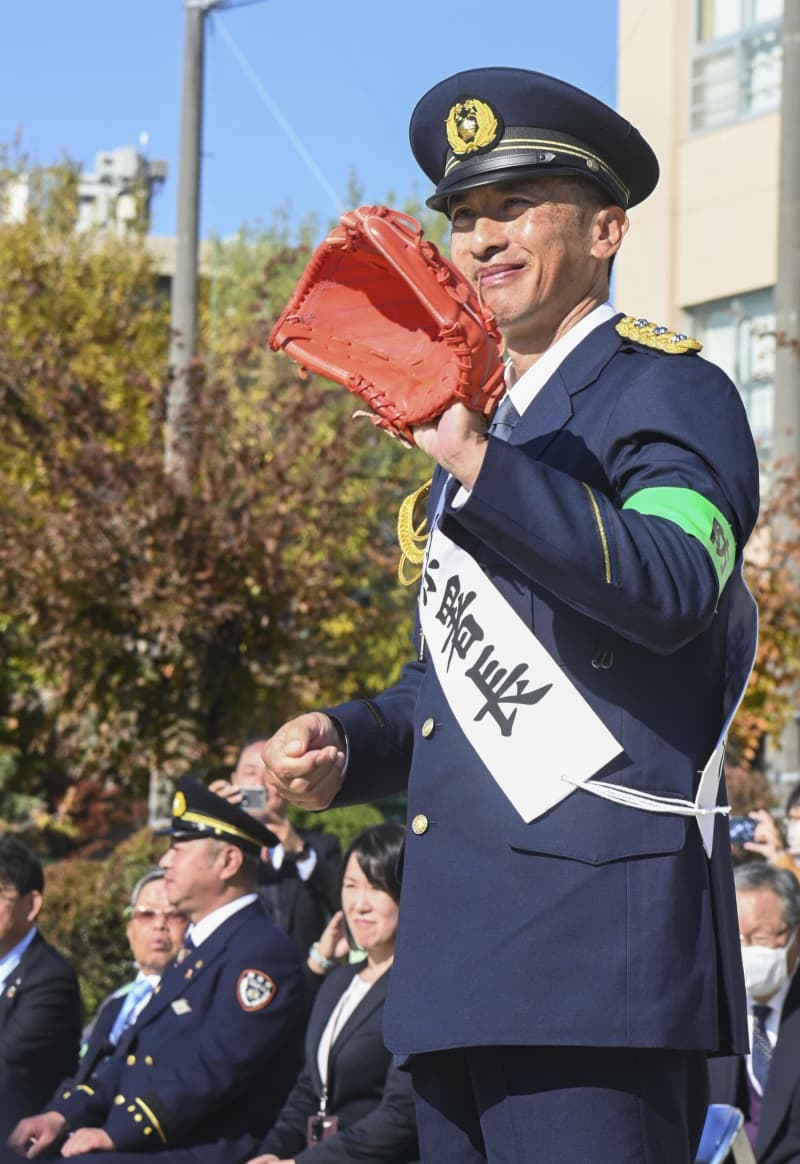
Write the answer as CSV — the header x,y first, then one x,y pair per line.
x,y
724,1135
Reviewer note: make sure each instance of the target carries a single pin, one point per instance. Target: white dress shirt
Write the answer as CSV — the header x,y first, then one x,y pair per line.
x,y
304,868
10,961
201,930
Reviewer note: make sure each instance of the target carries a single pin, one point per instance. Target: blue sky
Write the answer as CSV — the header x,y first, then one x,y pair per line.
x,y
299,96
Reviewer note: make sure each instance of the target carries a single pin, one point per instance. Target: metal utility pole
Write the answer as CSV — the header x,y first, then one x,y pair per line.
x,y
786,425
179,437
786,419
180,430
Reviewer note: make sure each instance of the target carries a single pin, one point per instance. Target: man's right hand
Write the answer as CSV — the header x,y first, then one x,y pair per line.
x,y
305,760
35,1133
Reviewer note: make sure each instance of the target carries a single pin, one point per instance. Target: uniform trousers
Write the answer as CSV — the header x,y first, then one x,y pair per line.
x,y
559,1105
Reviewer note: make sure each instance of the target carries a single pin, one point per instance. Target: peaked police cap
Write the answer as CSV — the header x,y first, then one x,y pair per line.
x,y
197,812
484,126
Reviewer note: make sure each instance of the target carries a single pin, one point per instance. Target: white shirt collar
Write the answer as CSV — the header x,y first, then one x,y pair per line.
x,y
10,961
523,391
153,978
201,930
776,1003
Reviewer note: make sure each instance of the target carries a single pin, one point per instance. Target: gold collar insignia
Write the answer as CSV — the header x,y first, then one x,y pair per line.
x,y
652,335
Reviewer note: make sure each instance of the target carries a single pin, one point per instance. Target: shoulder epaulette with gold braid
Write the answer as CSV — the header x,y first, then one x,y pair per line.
x,y
412,534
652,335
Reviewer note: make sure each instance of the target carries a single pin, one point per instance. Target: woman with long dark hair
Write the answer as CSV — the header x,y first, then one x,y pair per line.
x,y
350,1103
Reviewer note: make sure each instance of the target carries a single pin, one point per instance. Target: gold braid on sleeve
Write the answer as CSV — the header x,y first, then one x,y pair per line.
x,y
412,534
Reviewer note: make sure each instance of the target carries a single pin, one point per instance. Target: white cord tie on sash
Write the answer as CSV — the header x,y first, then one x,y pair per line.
x,y
648,801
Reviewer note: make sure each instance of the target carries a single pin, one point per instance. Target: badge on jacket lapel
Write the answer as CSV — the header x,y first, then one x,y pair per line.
x,y
254,990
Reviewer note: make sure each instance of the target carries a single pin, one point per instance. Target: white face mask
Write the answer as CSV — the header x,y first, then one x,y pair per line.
x,y
765,969
793,836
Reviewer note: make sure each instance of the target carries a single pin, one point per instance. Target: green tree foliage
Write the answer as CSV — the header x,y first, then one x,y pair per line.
x,y
143,633
772,570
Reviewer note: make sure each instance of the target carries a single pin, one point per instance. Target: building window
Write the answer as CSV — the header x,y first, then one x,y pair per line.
x,y
739,335
736,60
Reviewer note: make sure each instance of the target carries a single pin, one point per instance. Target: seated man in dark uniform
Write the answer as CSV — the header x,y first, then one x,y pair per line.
x,y
217,1047
40,1006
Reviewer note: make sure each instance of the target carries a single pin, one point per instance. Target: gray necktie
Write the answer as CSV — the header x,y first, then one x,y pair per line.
x,y
504,419
762,1047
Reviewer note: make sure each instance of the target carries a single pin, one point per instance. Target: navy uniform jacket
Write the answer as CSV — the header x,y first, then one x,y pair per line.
x,y
778,1137
40,1026
596,924
213,1053
372,1098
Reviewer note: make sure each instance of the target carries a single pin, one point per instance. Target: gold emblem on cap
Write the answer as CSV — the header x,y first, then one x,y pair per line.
x,y
178,804
471,125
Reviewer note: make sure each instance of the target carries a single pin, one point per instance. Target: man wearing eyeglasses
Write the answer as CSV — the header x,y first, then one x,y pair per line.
x,y
40,1008
765,1084
209,1061
155,932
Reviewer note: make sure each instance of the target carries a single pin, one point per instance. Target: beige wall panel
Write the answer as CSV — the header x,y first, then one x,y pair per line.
x,y
641,283
708,231
652,41
726,211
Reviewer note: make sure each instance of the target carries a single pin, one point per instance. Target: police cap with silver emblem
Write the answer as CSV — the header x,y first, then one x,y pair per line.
x,y
197,812
484,126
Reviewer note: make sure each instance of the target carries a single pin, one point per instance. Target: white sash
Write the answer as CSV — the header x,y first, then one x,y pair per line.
x,y
531,727
535,733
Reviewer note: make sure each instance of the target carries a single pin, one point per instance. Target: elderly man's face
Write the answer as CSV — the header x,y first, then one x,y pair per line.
x,y
762,922
530,248
156,928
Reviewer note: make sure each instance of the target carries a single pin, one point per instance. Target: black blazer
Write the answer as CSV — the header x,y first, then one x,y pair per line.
x,y
778,1138
302,909
40,1030
371,1097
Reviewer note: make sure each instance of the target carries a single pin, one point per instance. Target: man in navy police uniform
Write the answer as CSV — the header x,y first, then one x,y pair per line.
x,y
567,954
216,1049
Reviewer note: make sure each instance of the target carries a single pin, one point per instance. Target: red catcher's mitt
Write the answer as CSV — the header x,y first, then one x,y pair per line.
x,y
379,310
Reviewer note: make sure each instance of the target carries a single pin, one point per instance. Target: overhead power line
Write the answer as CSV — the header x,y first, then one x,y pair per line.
x,y
275,111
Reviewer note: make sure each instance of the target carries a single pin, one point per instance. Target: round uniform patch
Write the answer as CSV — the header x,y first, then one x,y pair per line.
x,y
254,990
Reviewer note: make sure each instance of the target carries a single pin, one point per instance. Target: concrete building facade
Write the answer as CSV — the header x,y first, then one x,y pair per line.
x,y
702,80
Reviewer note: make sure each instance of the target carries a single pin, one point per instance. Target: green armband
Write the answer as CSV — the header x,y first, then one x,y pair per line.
x,y
697,517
